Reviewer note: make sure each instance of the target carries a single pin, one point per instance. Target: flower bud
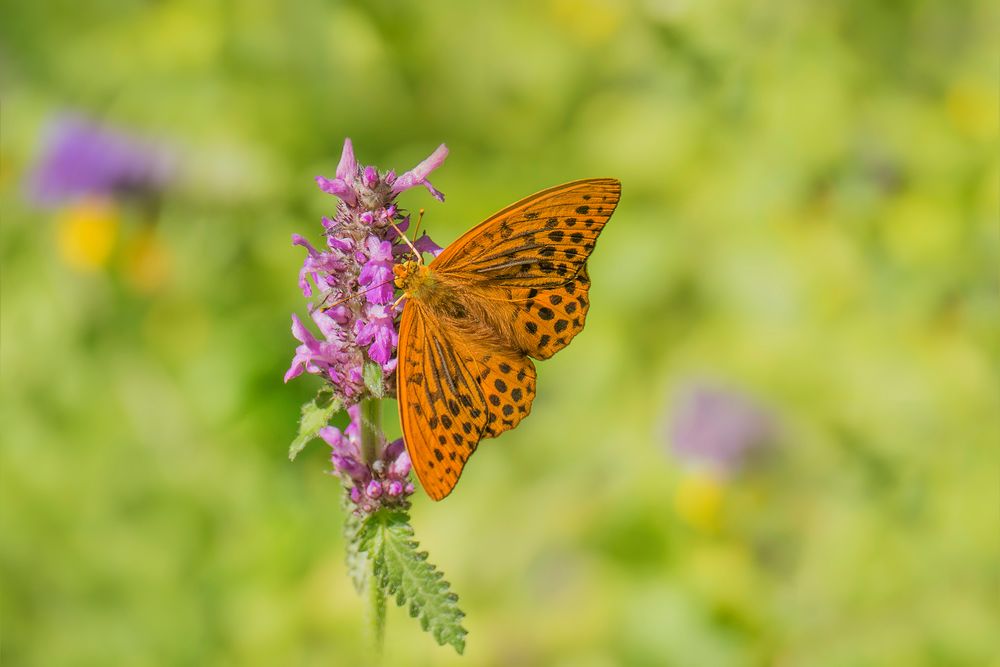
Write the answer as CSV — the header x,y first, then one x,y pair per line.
x,y
400,467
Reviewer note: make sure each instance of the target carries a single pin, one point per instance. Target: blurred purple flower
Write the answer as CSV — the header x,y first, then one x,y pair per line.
x,y
382,484
83,158
717,428
362,245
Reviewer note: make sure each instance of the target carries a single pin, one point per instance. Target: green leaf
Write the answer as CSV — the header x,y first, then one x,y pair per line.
x,y
374,379
315,415
404,572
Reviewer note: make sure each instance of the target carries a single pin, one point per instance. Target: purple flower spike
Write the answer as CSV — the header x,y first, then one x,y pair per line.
x,y
418,175
357,314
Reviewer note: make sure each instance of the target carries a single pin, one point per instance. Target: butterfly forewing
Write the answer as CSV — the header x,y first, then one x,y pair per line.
x,y
540,241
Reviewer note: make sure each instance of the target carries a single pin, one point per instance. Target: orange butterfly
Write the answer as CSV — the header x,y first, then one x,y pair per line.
x,y
513,287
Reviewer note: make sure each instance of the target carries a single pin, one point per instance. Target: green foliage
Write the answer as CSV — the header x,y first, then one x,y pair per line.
x,y
315,415
402,571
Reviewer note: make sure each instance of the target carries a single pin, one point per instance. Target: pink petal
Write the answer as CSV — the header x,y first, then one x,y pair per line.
x,y
347,170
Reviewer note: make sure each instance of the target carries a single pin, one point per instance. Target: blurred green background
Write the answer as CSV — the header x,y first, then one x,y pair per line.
x,y
809,216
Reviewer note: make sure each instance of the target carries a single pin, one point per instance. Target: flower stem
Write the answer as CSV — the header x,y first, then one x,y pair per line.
x,y
371,427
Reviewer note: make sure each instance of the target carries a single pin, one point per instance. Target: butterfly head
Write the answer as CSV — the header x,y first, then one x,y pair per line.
x,y
410,276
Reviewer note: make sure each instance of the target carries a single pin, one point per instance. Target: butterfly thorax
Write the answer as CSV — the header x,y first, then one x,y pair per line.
x,y
447,298
416,280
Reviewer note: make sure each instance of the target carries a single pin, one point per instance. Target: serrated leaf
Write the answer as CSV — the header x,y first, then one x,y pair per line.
x,y
404,573
374,379
315,415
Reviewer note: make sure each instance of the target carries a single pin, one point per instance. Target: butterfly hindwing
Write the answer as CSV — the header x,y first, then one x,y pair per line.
x,y
452,393
507,380
548,319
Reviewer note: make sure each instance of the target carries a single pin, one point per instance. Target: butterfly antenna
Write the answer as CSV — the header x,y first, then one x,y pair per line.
x,y
353,296
420,218
416,253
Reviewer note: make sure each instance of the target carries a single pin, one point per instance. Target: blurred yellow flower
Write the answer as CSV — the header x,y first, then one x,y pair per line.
x,y
86,233
698,500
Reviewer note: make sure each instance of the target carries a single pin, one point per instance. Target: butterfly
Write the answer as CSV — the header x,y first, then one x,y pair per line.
x,y
513,288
